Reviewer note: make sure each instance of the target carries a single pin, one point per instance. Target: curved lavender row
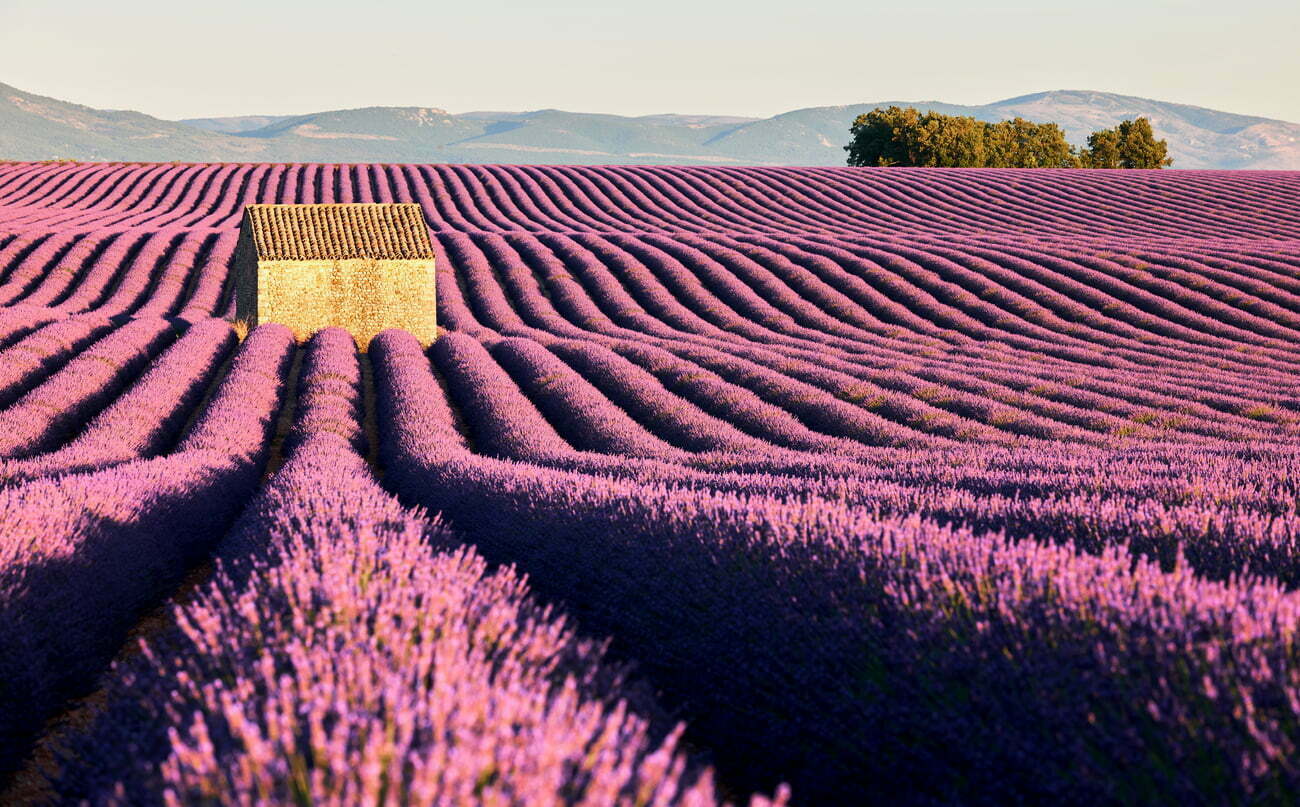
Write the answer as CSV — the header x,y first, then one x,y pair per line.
x,y
1067,413
17,321
411,394
1090,359
212,283
812,201
650,403
84,556
1162,311
836,403
291,173
329,401
426,413
132,282
489,696
142,421
239,417
18,247
1217,539
54,281
529,721
579,412
96,280
166,290
968,336
847,652
1101,503
705,389
504,421
823,396
1027,278
86,553
1190,306
899,408
1029,302
849,420
737,405
45,417
936,313
1207,483
37,265
499,416
1121,307
29,361
1198,285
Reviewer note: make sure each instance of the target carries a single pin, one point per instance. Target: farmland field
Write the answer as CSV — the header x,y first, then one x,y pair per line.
x,y
830,485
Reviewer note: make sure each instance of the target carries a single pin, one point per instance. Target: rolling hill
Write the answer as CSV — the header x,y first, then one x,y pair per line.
x,y
33,127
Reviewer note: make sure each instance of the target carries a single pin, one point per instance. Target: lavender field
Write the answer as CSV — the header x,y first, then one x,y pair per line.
x,y
819,486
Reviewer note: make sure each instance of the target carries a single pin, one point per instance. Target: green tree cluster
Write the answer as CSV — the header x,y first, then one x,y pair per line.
x,y
1132,144
898,136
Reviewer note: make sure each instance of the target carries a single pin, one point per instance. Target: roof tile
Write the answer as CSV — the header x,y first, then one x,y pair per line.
x,y
338,231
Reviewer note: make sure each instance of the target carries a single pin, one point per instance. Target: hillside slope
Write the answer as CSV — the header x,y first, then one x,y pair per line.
x,y
1198,137
34,127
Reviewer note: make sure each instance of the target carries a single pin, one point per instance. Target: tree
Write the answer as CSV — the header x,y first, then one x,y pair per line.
x,y
1132,144
948,141
880,137
1018,143
1138,147
897,136
1102,150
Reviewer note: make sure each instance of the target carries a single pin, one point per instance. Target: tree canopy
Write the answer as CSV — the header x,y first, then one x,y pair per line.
x,y
1132,144
905,136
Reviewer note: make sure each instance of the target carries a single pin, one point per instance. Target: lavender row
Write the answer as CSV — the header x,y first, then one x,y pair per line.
x,y
239,417
1239,519
1090,357
329,398
816,642
27,362
146,418
745,285
20,320
50,413
585,417
799,266
489,697
481,388
915,398
1218,539
674,199
846,419
151,274
88,553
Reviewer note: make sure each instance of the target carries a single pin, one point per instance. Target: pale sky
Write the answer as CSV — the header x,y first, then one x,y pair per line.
x,y
753,57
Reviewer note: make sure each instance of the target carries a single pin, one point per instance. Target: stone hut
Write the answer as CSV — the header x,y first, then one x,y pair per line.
x,y
363,267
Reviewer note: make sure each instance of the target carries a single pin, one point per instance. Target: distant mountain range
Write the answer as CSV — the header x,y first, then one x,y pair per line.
x,y
33,127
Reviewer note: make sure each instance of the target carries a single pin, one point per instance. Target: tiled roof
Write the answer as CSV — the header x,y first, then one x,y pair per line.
x,y
338,232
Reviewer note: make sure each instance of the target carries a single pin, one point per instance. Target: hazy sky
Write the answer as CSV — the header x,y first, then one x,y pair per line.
x,y
741,58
